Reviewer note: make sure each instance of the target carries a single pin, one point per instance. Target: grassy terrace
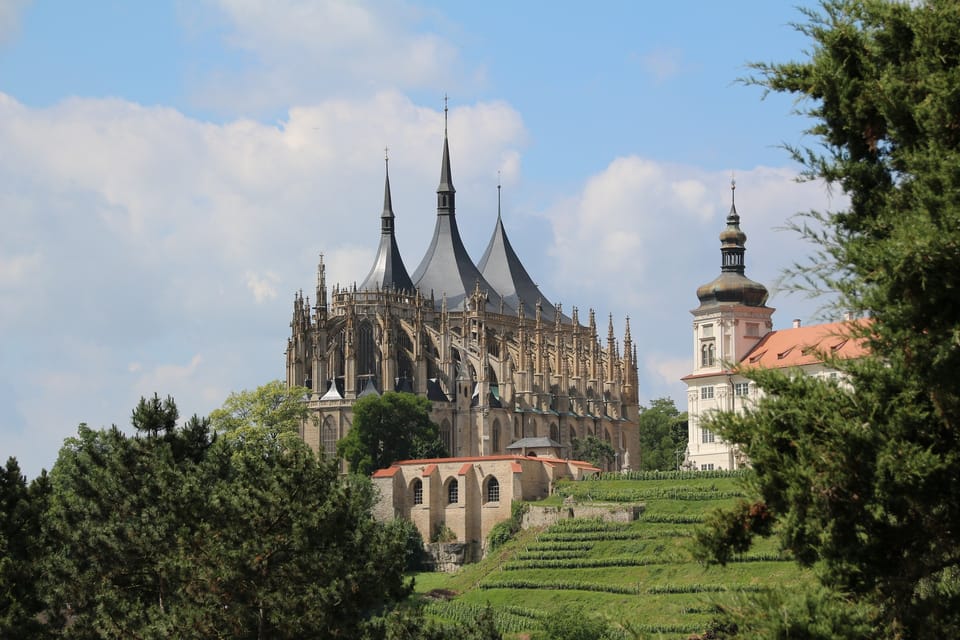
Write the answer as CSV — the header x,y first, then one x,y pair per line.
x,y
641,573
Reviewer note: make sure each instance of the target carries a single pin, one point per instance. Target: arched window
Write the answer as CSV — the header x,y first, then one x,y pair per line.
x,y
707,354
496,436
517,433
573,435
453,492
555,433
416,488
493,490
328,438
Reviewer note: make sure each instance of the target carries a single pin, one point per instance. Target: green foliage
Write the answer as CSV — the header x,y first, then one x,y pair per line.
x,y
504,531
731,532
21,510
184,535
387,428
663,431
154,417
573,623
406,531
862,476
592,449
271,406
442,533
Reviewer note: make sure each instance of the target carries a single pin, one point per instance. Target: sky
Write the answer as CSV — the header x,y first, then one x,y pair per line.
x,y
170,172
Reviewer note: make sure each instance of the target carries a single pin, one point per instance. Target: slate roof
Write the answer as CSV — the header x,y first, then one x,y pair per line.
x,y
388,270
446,268
530,443
504,271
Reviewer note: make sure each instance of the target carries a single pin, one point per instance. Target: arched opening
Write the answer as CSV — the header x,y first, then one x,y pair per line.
x,y
555,432
367,352
416,488
496,436
453,492
493,490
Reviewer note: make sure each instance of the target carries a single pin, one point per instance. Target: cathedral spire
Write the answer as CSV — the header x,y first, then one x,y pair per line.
x,y
445,192
386,219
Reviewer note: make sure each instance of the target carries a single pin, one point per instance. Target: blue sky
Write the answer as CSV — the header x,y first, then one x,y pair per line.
x,y
170,171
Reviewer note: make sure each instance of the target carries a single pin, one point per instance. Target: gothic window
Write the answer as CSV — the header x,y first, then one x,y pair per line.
x,y
555,433
517,433
496,436
366,350
446,436
706,393
328,438
493,490
417,489
573,435
453,492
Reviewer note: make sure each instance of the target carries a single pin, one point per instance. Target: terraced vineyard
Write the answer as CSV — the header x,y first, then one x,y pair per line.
x,y
640,573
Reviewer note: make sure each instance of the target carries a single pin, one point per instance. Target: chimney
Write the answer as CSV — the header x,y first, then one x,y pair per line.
x,y
796,323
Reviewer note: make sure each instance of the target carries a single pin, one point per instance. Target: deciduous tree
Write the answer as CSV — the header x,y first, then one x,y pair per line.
x,y
272,405
663,431
387,428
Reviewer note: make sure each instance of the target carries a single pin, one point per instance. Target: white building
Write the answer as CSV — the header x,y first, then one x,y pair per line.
x,y
732,329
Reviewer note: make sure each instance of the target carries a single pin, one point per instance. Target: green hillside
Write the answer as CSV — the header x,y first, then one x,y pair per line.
x,y
640,573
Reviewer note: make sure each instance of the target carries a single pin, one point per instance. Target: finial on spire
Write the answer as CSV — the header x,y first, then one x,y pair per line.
x,y
498,193
444,114
386,154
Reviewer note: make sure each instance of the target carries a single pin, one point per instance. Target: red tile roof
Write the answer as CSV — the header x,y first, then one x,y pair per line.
x,y
805,345
389,472
464,469
428,470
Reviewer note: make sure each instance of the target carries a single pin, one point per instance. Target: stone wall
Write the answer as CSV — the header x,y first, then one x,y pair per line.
x,y
546,516
449,556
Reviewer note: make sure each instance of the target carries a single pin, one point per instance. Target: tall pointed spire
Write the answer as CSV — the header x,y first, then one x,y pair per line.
x,y
446,194
447,268
387,217
502,268
388,271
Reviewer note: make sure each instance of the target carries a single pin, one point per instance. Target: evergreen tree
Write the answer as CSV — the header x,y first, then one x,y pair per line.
x,y
21,510
862,477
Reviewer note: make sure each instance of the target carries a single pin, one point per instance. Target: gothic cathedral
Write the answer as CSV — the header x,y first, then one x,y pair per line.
x,y
505,370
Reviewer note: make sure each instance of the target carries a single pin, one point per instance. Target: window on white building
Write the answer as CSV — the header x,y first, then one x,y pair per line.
x,y
707,436
706,393
706,467
708,354
741,389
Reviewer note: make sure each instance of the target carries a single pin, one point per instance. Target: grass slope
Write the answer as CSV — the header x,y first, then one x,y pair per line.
x,y
641,573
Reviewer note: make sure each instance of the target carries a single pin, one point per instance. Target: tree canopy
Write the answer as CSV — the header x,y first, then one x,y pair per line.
x,y
862,477
272,405
387,428
592,449
663,432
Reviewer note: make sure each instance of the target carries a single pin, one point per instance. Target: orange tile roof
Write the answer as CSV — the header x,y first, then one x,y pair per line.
x,y
515,467
464,469
805,346
428,470
389,472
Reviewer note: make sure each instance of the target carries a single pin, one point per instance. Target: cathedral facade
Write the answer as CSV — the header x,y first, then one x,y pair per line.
x,y
500,364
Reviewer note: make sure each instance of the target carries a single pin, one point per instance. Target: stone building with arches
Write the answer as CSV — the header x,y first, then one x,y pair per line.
x,y
497,360
468,495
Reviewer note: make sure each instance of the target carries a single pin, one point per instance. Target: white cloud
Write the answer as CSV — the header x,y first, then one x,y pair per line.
x,y
308,50
151,237
262,287
11,12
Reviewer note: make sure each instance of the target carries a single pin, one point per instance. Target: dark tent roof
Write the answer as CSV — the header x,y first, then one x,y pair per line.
x,y
503,270
388,270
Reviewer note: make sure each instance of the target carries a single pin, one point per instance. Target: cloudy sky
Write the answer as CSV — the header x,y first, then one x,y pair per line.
x,y
170,171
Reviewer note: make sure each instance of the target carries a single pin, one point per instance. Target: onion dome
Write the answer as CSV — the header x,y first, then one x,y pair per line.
x,y
732,286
